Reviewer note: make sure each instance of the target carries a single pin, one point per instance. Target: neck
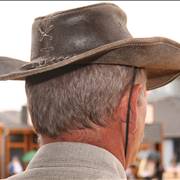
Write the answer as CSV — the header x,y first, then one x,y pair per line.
x,y
109,138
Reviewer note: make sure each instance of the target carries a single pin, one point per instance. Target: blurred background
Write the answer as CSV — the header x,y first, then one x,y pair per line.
x,y
160,151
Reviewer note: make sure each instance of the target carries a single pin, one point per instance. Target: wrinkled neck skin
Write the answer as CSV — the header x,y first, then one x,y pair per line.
x,y
108,138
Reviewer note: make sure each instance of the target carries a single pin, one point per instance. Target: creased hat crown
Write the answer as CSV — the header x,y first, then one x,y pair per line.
x,y
64,34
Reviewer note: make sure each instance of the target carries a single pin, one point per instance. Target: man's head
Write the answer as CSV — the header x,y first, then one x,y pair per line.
x,y
91,98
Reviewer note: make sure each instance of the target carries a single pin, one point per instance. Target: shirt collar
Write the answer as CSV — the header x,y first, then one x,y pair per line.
x,y
62,154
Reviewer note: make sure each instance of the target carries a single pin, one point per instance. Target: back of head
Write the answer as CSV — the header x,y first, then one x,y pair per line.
x,y
76,97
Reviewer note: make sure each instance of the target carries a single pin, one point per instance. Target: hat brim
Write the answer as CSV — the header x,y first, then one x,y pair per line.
x,y
160,57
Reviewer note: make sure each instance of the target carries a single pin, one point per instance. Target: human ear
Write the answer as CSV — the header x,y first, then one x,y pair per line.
x,y
122,109
136,102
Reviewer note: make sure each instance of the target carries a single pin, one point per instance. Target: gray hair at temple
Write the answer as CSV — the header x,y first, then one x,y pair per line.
x,y
75,97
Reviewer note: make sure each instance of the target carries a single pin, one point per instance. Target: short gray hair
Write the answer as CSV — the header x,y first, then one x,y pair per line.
x,y
76,97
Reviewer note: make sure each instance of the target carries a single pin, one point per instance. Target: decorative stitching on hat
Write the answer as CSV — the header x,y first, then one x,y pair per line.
x,y
44,33
43,62
47,49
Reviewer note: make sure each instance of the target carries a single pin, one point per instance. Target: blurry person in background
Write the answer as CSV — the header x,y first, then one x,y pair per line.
x,y
131,172
147,168
173,171
15,166
86,89
150,165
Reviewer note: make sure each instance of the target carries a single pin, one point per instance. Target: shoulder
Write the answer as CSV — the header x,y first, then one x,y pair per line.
x,y
20,176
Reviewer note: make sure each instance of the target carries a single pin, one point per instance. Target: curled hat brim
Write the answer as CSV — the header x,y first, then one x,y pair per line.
x,y
160,57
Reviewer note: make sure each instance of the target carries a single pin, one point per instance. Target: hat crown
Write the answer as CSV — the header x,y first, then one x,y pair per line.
x,y
67,33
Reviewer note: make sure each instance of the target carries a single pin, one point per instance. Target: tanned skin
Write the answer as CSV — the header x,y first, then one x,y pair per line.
x,y
112,137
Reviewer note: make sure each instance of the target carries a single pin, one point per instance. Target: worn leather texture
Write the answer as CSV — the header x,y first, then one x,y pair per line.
x,y
95,34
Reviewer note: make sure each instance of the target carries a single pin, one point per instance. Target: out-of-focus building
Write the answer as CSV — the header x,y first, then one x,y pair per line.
x,y
16,137
167,112
153,133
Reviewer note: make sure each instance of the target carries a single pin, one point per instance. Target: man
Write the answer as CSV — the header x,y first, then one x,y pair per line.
x,y
86,89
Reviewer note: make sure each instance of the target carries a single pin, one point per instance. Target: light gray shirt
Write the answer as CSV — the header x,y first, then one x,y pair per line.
x,y
72,161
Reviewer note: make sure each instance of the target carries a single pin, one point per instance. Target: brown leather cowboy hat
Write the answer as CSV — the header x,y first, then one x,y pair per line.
x,y
95,34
